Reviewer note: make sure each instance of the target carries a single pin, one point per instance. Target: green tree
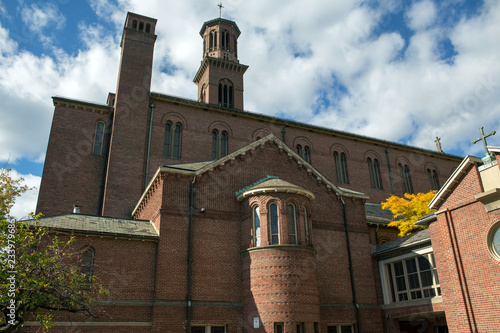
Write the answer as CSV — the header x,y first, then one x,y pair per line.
x,y
40,274
408,210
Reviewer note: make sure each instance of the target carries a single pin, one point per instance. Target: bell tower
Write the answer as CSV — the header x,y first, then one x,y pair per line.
x,y
220,76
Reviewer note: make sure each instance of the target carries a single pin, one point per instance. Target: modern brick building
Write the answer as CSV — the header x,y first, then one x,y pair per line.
x,y
199,216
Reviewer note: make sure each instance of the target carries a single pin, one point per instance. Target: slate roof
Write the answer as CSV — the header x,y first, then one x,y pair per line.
x,y
375,214
414,239
272,184
98,225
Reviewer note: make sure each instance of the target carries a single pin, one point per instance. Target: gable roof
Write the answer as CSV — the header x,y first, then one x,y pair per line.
x,y
197,169
98,225
415,239
456,177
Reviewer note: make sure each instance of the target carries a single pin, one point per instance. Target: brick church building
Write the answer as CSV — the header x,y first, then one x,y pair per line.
x,y
199,216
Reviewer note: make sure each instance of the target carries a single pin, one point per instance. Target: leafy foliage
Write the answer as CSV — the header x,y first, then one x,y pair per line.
x,y
408,210
40,273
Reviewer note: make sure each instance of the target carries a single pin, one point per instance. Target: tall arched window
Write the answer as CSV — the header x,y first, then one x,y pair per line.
x,y
225,39
87,263
256,226
273,224
226,94
341,168
172,144
219,144
304,152
433,178
404,171
98,138
141,25
374,168
148,27
212,39
292,224
134,24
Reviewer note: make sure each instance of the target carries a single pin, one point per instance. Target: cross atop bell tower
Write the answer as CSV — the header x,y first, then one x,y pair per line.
x,y
220,76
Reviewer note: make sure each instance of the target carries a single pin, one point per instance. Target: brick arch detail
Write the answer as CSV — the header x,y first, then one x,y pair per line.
x,y
431,166
262,132
373,155
221,126
339,148
174,118
302,140
403,160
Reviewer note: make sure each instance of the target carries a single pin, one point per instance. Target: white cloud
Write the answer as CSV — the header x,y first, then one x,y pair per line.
x,y
26,203
421,15
39,16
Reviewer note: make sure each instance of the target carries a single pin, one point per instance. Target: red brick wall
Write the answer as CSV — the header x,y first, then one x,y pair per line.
x,y
466,269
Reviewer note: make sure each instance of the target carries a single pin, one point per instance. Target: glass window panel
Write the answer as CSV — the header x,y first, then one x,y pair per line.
x,y
411,266
332,329
426,278
413,281
401,283
197,329
403,297
223,144
177,142
423,263
417,294
292,224
273,213
217,329
215,145
256,218
496,240
346,329
99,136
398,268
306,226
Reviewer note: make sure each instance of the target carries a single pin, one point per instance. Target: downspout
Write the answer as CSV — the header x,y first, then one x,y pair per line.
x,y
283,132
189,255
105,166
152,106
351,273
390,172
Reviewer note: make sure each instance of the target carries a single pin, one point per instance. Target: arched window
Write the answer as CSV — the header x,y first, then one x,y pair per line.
x,y
212,39
404,171
219,144
256,226
433,178
87,263
292,224
304,153
374,169
148,27
235,45
273,224
225,39
141,25
341,168
306,227
172,144
134,24
98,138
226,94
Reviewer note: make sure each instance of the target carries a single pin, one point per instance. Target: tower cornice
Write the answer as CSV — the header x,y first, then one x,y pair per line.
x,y
219,63
219,21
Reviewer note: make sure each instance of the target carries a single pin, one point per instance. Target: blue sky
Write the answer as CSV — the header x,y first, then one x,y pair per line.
x,y
404,71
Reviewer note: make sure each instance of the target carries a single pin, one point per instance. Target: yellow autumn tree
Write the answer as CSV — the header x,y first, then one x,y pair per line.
x,y
408,210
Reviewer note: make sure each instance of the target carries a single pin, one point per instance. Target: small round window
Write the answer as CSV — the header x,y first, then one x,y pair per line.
x,y
494,240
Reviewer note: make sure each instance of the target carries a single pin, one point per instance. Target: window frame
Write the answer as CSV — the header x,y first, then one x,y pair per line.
x,y
99,142
492,238
341,167
273,223
434,179
404,171
256,229
292,224
172,144
219,144
374,170
339,327
389,284
87,261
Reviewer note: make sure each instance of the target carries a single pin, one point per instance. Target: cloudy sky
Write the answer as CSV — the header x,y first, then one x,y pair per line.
x,y
399,70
